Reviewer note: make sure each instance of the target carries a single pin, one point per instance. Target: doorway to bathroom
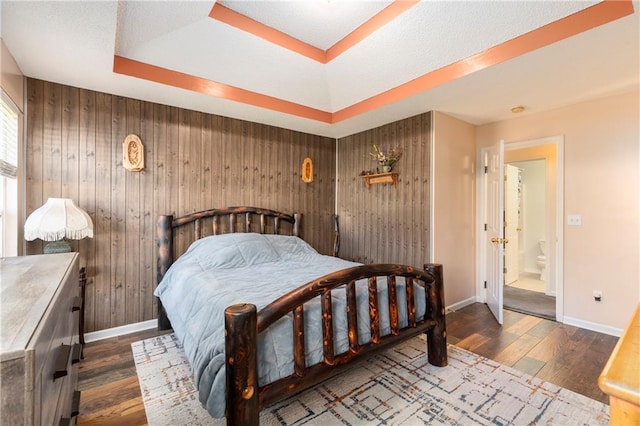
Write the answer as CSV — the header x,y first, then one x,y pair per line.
x,y
496,230
527,287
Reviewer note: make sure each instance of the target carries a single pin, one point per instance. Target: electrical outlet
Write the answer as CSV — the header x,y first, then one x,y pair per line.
x,y
597,295
574,220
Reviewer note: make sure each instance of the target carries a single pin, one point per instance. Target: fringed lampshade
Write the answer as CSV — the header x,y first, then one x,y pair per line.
x,y
58,219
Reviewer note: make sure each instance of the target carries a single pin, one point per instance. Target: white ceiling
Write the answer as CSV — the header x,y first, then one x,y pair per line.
x,y
75,43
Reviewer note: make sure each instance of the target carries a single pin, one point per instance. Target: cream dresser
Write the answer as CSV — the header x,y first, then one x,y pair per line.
x,y
39,343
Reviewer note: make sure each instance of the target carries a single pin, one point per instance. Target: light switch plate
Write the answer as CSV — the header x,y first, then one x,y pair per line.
x,y
574,220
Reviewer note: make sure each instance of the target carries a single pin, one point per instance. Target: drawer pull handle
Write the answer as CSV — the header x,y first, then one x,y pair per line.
x,y
76,353
82,277
77,302
62,361
75,405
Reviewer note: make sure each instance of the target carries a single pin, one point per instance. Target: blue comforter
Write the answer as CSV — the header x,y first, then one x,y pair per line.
x,y
222,270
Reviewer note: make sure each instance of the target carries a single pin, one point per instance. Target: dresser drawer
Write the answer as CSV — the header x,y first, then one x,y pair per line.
x,y
66,412
66,409
40,325
56,358
52,379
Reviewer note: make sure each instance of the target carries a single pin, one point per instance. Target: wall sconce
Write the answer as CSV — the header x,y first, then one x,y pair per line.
x,y
56,220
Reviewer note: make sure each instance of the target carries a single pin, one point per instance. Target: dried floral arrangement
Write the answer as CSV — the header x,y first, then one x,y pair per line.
x,y
386,158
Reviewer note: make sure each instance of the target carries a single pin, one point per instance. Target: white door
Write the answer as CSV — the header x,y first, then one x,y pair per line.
x,y
494,238
511,224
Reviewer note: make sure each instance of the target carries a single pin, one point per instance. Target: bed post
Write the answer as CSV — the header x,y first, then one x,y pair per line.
x,y
164,234
241,328
437,336
296,225
336,236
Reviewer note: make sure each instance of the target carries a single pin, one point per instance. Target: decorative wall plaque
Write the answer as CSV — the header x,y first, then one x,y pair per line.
x,y
307,170
133,153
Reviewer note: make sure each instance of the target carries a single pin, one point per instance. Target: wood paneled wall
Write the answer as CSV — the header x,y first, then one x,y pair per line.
x,y
193,161
384,224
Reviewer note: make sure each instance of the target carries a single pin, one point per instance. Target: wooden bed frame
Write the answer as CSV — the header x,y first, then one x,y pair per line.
x,y
244,396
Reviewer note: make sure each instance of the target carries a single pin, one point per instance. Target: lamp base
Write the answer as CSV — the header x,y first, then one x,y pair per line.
x,y
60,246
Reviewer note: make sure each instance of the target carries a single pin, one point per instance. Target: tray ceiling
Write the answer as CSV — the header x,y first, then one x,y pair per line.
x,y
333,68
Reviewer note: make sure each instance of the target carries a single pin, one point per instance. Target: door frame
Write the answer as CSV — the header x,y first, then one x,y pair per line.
x,y
558,254
511,230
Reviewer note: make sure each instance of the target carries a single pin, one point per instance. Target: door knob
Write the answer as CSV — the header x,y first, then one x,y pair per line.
x,y
495,240
500,240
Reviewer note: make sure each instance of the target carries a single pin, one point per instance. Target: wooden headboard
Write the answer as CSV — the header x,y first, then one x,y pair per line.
x,y
215,222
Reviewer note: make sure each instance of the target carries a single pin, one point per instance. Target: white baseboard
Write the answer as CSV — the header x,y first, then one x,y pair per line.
x,y
147,325
459,305
120,331
94,336
593,326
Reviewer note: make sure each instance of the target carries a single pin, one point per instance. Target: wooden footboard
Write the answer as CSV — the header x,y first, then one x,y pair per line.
x,y
243,323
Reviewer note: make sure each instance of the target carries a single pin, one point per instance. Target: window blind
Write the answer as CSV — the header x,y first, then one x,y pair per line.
x,y
8,137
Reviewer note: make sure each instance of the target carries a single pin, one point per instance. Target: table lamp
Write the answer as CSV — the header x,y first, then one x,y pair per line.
x,y
57,220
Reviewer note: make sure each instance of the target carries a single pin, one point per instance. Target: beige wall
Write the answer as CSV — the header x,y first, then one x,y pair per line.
x,y
11,77
12,83
454,205
601,182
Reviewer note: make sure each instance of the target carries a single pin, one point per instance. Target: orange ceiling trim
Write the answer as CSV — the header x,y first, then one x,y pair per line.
x,y
258,29
235,19
133,68
376,22
594,16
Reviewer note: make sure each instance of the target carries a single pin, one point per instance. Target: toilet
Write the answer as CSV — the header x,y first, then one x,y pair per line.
x,y
541,260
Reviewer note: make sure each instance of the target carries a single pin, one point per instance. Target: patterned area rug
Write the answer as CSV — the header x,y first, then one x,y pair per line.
x,y
397,386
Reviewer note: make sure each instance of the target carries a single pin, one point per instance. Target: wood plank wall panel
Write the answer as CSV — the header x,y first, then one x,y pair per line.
x,y
34,151
386,224
87,190
52,140
100,276
147,228
118,212
193,161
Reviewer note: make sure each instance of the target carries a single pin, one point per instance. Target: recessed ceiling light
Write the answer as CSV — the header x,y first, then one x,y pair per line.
x,y
517,109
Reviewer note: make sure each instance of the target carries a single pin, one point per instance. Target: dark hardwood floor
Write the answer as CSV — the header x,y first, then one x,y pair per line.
x,y
564,355
567,356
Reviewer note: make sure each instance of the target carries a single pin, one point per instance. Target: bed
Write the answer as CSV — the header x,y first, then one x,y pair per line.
x,y
261,315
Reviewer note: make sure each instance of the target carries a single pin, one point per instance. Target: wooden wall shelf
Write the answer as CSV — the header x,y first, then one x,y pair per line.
x,y
389,177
